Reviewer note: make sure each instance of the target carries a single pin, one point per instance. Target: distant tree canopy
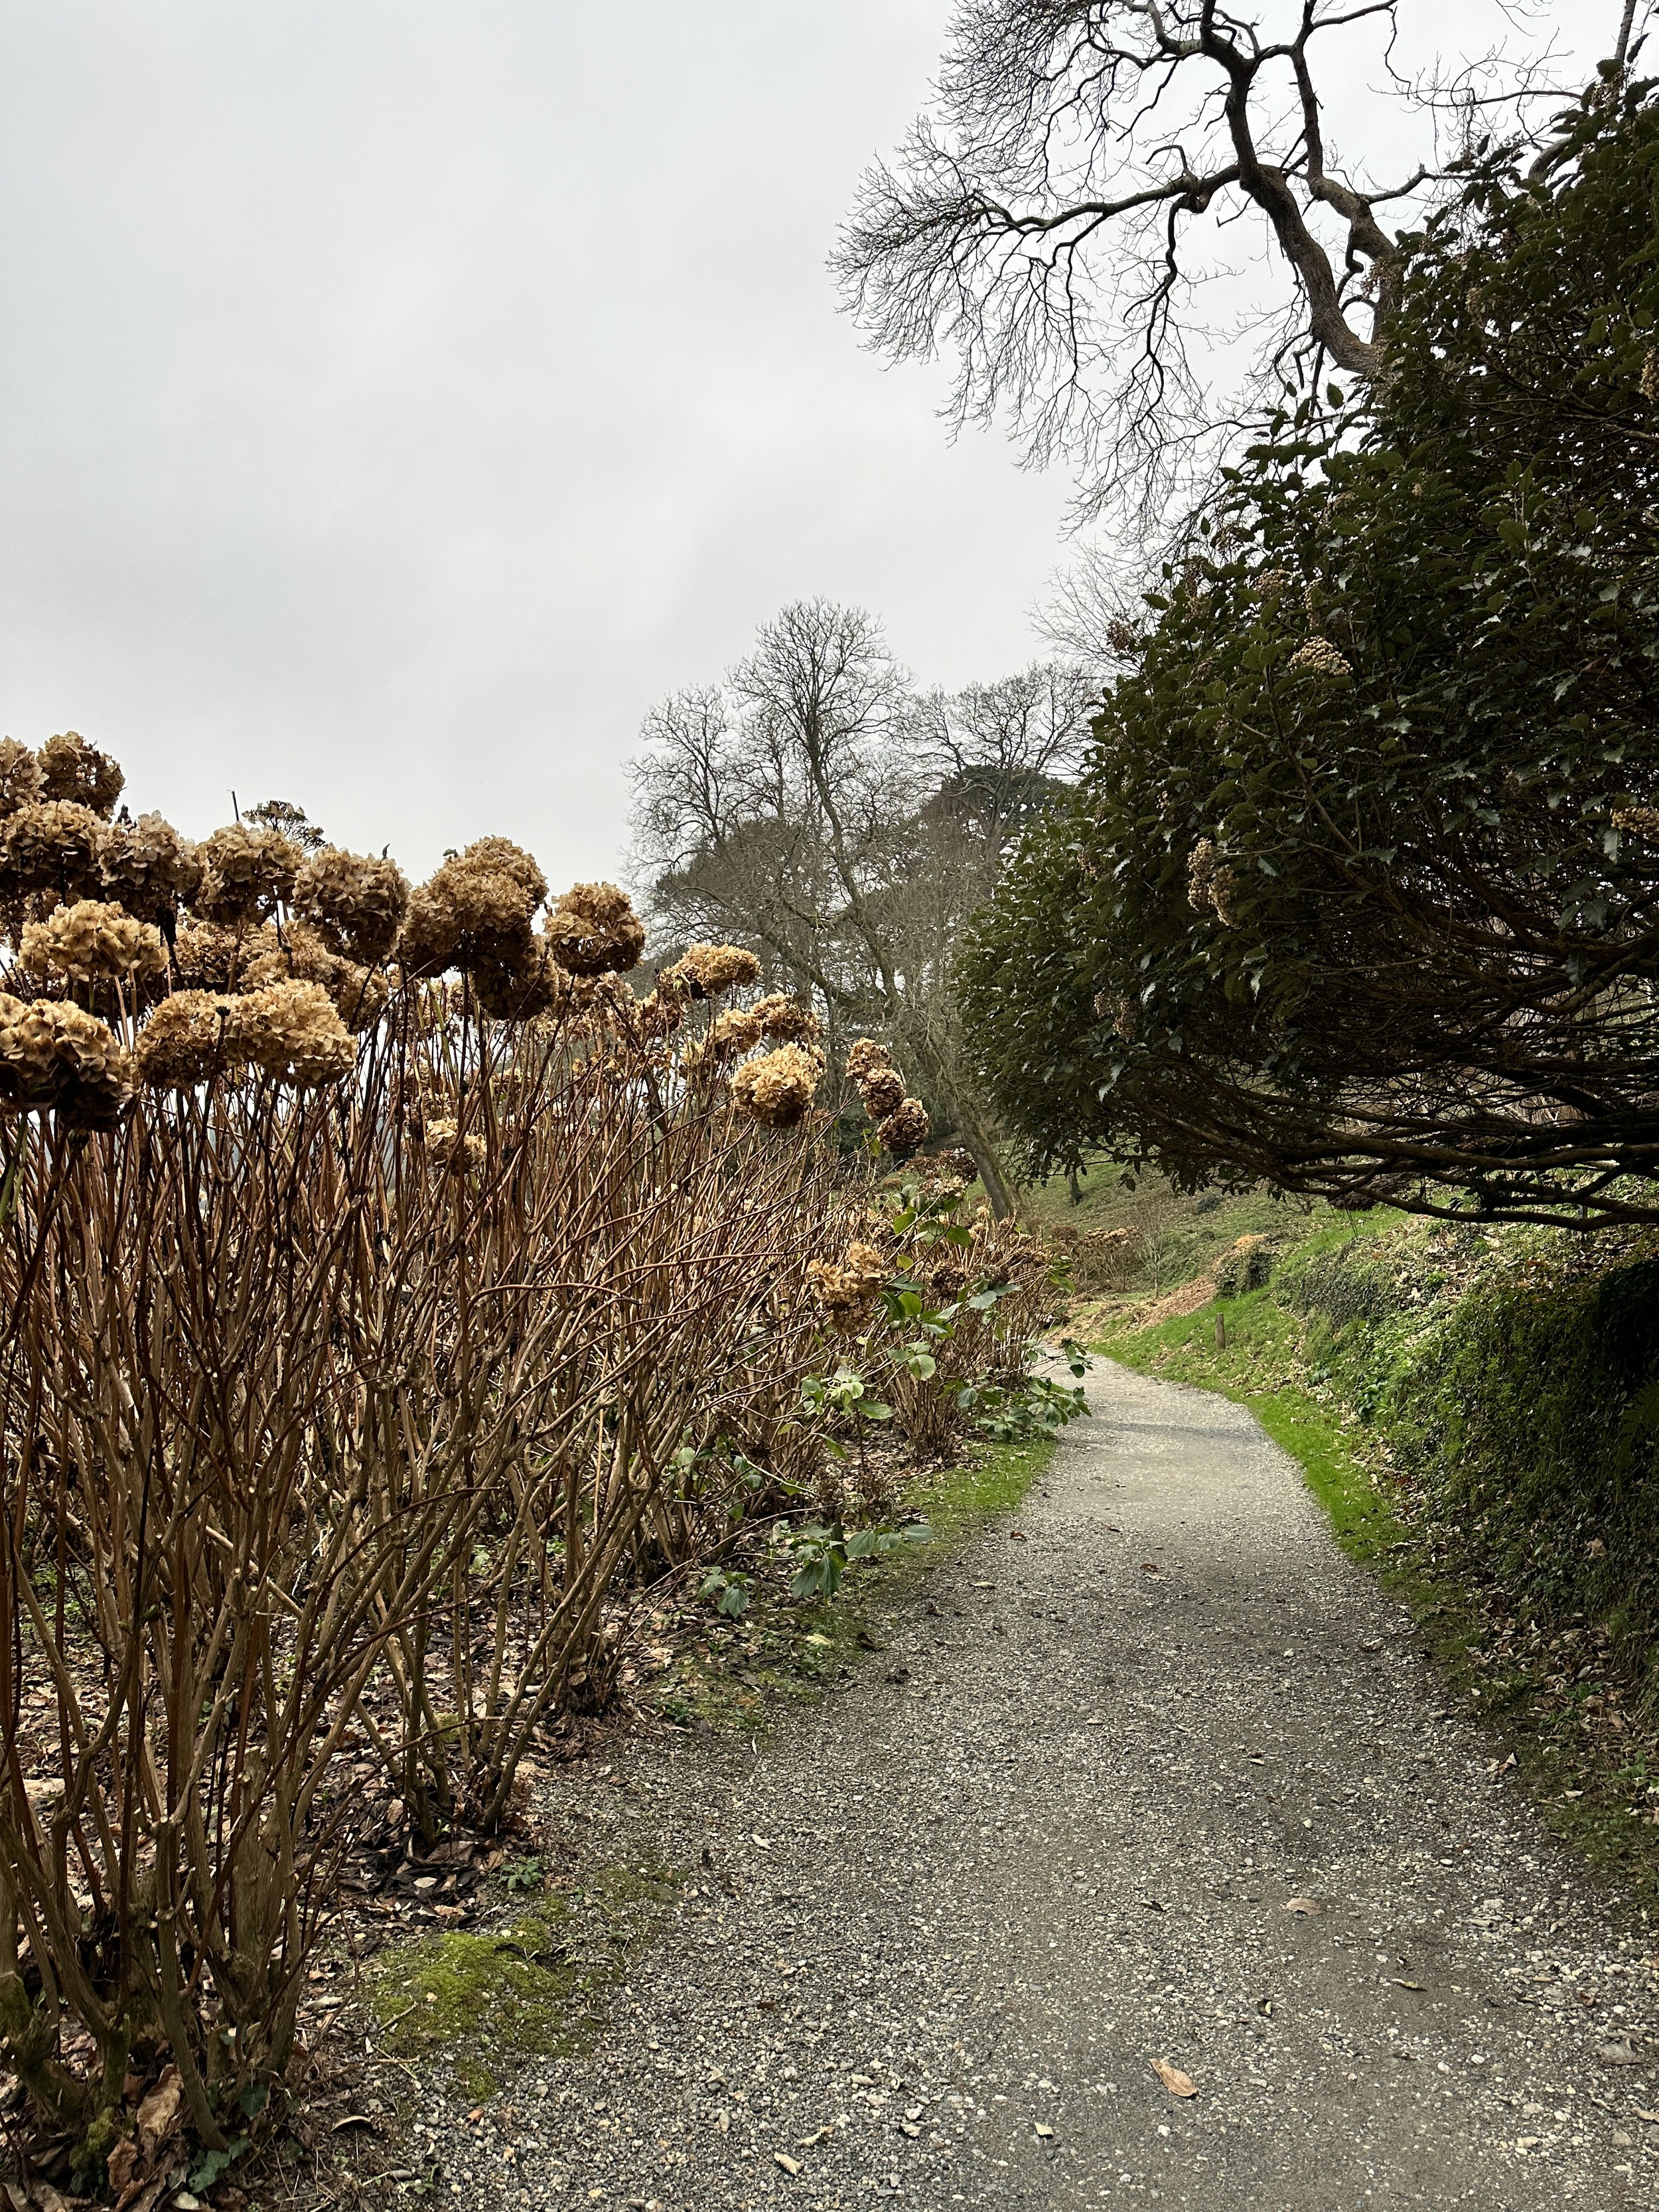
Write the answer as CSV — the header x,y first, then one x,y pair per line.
x,y
1360,892
817,808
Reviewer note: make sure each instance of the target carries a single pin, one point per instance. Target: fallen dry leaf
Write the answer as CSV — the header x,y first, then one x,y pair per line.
x,y
143,2195
811,2142
159,2110
1642,2113
1306,1904
1177,2083
789,2165
122,2163
1401,1982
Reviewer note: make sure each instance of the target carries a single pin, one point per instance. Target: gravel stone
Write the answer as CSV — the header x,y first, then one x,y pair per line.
x,y
1164,1777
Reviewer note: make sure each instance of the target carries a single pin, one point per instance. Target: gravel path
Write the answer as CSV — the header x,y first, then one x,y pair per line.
x,y
946,1922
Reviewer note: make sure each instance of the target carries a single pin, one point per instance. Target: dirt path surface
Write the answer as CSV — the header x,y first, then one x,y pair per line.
x,y
947,1920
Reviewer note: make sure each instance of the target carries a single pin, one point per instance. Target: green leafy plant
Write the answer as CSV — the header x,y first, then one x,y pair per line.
x,y
822,1554
729,1592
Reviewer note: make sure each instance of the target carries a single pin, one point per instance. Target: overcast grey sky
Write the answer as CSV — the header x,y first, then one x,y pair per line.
x,y
397,398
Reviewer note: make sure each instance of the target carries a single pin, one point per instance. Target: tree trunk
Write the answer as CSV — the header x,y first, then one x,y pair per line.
x,y
975,1134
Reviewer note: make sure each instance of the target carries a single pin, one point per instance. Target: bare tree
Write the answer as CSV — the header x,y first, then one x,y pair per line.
x,y
817,809
1047,222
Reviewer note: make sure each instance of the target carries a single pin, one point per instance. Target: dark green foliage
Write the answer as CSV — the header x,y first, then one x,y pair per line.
x,y
1360,893
1518,1413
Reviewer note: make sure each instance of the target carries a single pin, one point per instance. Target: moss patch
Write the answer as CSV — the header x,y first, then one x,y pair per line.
x,y
480,2000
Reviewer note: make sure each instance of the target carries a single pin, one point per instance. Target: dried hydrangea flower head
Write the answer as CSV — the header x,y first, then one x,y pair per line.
x,y
704,971
297,952
777,1090
662,1013
904,1129
1637,821
846,1289
52,845
247,873
605,1006
1319,657
954,1162
292,1032
527,991
867,1054
882,1091
840,1293
501,856
594,931
148,866
477,910
71,768
20,776
785,1020
206,957
447,1150
356,903
734,1032
191,1036
55,1054
91,942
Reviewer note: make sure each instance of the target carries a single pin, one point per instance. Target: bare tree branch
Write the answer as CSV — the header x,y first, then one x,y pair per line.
x,y
1051,220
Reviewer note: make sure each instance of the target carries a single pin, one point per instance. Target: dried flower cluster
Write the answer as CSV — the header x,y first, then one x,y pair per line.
x,y
1319,657
705,971
147,867
846,1291
448,1150
594,931
248,872
55,1056
191,1038
478,911
71,768
297,953
51,845
291,1031
1211,883
905,1129
777,1090
20,776
902,1123
355,902
1637,821
91,942
784,1020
